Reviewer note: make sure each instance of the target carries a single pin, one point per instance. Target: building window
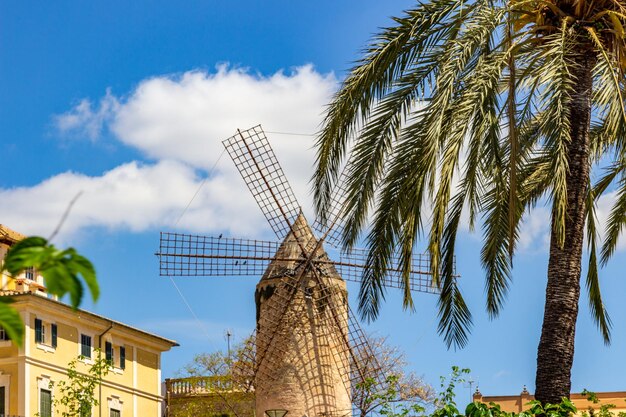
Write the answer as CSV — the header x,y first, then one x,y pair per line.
x,y
115,356
45,333
3,337
122,357
40,331
108,352
53,332
5,382
115,406
3,411
45,403
85,346
29,273
85,410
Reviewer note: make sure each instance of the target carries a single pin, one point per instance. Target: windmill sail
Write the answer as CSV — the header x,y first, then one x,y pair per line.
x,y
308,351
255,159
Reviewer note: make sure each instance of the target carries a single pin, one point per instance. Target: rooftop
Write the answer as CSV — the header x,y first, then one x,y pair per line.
x,y
9,236
26,296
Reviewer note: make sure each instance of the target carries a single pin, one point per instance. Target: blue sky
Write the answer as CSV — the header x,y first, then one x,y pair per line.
x,y
128,102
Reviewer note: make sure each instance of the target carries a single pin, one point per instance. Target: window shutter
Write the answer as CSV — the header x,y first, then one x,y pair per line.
x,y
3,336
38,332
45,403
108,351
85,345
53,331
122,357
2,398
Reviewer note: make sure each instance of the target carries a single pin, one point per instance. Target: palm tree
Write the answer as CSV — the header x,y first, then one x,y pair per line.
x,y
486,108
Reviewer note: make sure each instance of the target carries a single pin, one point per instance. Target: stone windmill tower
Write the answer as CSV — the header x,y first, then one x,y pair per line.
x,y
308,351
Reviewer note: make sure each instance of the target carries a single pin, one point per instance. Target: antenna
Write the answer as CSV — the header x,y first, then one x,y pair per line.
x,y
228,334
470,383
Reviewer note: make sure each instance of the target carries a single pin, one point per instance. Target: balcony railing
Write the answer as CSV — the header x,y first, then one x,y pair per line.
x,y
202,385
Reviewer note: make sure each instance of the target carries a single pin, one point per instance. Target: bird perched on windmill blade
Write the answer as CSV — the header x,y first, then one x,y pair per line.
x,y
308,346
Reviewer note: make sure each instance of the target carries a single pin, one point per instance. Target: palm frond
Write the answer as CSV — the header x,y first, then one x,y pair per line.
x,y
615,222
596,306
610,127
455,318
421,124
390,54
555,123
373,146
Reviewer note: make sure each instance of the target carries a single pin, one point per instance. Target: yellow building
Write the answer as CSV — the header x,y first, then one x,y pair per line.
x,y
519,403
55,334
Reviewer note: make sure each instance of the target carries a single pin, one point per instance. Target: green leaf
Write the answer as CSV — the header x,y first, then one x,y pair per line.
x,y
11,321
64,271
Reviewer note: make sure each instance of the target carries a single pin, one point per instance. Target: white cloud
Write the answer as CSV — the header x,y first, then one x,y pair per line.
x,y
535,230
87,120
133,196
186,117
178,122
603,211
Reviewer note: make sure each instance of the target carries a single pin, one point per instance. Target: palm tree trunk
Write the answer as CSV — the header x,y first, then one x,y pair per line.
x,y
556,348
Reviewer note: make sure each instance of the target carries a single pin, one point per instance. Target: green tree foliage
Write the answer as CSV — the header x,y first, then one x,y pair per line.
x,y
477,112
445,404
212,388
401,389
390,401
64,272
75,396
604,410
216,388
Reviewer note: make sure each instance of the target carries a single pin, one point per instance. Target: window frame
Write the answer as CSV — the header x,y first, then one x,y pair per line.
x,y
115,353
30,273
5,382
122,357
115,405
3,400
40,411
4,336
109,353
89,413
82,346
46,334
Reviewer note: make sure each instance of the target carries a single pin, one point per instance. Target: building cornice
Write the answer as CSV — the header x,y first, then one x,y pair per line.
x,y
94,321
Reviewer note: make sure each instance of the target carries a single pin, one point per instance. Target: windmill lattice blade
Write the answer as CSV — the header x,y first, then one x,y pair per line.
x,y
357,359
255,159
270,344
332,226
191,255
352,265
243,366
363,362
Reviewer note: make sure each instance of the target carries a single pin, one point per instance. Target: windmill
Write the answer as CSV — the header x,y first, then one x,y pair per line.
x,y
308,350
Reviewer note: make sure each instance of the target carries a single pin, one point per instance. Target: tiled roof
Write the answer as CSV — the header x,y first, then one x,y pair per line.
x,y
9,236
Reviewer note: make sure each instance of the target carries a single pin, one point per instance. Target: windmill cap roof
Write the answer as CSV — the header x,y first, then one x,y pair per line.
x,y
289,255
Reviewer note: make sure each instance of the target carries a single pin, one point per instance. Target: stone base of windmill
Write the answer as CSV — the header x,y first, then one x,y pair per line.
x,y
305,370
